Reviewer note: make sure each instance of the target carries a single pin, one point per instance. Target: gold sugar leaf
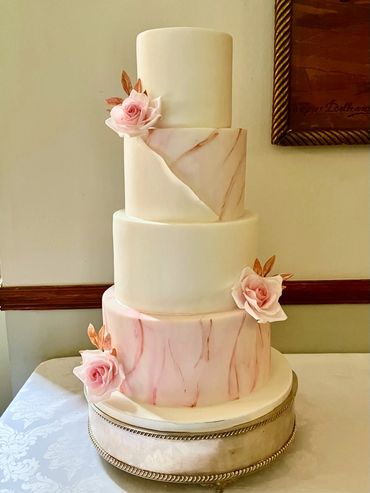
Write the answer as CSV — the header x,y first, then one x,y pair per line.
x,y
286,276
92,335
114,101
126,82
138,86
268,265
257,267
107,342
101,337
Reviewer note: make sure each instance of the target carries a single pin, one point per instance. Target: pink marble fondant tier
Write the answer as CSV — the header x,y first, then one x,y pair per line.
x,y
186,174
195,360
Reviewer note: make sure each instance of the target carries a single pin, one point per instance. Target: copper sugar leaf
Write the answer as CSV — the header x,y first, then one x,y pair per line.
x,y
257,267
126,82
268,265
138,86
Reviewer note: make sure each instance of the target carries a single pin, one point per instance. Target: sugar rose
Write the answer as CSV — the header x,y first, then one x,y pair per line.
x,y
135,115
100,372
259,296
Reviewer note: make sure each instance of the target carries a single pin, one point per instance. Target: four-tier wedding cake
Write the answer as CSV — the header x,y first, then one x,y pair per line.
x,y
186,329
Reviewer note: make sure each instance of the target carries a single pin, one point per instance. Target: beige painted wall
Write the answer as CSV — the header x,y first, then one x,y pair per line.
x,y
61,169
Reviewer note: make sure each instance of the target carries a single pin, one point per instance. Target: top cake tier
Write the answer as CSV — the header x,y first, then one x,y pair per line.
x,y
191,70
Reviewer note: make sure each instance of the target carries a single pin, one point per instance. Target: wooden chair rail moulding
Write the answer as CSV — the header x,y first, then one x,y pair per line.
x,y
73,297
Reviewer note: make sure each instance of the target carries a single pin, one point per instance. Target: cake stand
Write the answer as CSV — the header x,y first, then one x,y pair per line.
x,y
208,445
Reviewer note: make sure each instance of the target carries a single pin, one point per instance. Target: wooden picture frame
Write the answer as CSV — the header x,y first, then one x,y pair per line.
x,y
321,92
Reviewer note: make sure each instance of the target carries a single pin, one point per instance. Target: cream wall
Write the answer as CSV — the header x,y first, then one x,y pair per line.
x,y
61,173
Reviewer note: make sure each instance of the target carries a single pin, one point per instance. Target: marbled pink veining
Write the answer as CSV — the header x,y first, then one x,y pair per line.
x,y
177,366
157,380
233,389
195,402
213,135
261,363
206,334
212,165
139,347
188,360
229,190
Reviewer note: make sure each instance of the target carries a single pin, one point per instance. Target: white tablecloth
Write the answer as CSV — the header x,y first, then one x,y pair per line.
x,y
45,448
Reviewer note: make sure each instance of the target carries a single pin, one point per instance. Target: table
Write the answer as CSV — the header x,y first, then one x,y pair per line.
x,y
45,448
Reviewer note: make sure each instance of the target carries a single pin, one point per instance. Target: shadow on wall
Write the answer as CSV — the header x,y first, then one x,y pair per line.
x,y
5,386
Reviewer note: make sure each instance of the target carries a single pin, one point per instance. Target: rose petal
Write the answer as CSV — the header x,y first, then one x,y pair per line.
x,y
101,373
245,273
250,311
259,296
238,296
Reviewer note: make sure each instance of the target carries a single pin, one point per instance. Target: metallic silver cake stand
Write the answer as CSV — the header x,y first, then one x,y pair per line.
x,y
205,458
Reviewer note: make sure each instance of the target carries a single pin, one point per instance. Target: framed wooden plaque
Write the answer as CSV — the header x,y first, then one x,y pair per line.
x,y
321,72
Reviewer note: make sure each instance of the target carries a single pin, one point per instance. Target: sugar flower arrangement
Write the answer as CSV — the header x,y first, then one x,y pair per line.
x,y
100,370
135,114
258,294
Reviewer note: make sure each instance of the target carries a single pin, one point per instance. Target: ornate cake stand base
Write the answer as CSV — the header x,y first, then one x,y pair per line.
x,y
207,458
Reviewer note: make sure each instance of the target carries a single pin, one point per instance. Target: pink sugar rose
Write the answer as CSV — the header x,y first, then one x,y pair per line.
x,y
135,115
100,372
259,296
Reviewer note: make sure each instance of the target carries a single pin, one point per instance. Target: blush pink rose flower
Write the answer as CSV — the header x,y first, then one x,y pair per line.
x,y
135,115
259,296
100,372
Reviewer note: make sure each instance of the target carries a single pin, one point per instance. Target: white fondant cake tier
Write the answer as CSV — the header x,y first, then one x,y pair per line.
x,y
180,268
188,360
208,418
190,68
186,174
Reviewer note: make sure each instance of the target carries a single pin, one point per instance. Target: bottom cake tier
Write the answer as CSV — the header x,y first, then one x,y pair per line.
x,y
195,360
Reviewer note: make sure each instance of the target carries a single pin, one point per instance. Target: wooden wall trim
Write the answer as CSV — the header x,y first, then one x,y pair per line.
x,y
73,297
68,297
327,292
